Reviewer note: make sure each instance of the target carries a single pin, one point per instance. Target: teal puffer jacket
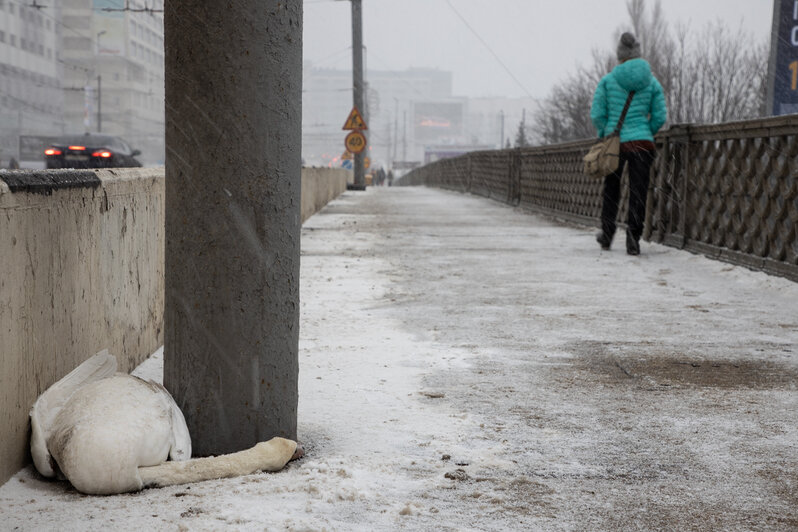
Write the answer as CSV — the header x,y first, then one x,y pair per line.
x,y
647,112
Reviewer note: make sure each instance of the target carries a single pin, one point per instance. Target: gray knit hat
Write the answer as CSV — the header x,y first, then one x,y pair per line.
x,y
628,47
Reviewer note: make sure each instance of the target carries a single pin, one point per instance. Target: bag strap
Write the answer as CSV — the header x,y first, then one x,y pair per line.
x,y
623,114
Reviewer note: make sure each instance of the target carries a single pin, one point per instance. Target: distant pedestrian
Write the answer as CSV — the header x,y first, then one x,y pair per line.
x,y
647,114
13,164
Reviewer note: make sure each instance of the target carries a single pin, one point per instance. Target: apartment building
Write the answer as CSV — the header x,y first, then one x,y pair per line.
x,y
31,99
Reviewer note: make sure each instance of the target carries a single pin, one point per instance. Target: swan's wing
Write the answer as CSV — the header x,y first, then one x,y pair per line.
x,y
181,449
50,403
181,439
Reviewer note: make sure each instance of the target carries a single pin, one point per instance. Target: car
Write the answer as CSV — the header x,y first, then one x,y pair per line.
x,y
90,151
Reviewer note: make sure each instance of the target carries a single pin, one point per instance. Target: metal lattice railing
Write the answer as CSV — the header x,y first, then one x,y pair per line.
x,y
729,191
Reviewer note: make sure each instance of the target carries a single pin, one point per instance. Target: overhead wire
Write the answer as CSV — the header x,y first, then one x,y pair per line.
x,y
326,58
61,23
51,17
479,37
489,49
26,103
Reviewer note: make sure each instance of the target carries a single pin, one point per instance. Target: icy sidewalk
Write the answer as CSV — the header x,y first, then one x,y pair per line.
x,y
464,365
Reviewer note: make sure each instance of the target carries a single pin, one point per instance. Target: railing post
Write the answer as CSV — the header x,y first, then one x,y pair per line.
x,y
654,200
514,187
683,196
469,173
676,171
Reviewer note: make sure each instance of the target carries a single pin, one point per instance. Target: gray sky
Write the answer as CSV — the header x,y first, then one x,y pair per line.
x,y
539,41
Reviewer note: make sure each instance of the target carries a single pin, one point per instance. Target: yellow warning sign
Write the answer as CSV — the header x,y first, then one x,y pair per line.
x,y
355,121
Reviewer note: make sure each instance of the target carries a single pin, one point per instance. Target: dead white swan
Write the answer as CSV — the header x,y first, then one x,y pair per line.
x,y
112,433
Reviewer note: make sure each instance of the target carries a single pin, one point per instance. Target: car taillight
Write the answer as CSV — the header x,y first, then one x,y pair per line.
x,y
77,148
52,151
102,153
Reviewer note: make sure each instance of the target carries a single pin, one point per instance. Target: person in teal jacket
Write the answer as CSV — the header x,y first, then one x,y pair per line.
x,y
647,114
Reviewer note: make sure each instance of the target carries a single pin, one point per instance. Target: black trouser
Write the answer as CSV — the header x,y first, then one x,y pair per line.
x,y
639,169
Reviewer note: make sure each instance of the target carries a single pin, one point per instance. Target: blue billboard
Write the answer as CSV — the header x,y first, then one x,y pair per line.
x,y
783,68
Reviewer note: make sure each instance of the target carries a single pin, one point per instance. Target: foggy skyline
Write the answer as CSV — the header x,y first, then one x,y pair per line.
x,y
516,48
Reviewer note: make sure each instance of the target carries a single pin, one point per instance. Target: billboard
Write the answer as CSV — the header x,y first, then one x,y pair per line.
x,y
109,27
783,67
437,122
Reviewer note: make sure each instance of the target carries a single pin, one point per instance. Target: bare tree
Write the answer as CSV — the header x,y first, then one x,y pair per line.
x,y
720,77
561,116
710,76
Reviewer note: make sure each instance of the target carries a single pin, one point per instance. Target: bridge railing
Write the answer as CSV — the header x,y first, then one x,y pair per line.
x,y
729,191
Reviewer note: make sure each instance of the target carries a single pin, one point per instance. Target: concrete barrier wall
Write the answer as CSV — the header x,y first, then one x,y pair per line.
x,y
82,269
319,186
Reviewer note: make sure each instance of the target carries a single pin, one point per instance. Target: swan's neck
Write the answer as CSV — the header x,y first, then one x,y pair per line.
x,y
265,456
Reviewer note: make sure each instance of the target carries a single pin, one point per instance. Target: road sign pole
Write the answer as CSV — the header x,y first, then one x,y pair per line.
x,y
357,82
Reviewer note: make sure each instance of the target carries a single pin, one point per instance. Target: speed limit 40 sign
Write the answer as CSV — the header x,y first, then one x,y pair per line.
x,y
355,142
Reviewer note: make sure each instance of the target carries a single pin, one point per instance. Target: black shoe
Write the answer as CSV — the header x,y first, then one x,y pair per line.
x,y
632,245
604,241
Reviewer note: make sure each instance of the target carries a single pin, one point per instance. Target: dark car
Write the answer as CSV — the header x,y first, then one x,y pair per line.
x,y
90,151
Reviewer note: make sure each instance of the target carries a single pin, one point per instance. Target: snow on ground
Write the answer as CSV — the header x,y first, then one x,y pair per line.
x,y
468,366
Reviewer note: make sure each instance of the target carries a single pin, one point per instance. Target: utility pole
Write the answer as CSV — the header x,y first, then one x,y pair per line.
x,y
99,104
231,319
389,143
88,104
395,128
501,144
357,86
99,85
19,131
404,138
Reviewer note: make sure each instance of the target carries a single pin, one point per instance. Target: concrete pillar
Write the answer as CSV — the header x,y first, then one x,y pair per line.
x,y
233,163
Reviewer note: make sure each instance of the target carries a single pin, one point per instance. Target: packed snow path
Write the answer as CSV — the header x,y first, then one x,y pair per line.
x,y
468,366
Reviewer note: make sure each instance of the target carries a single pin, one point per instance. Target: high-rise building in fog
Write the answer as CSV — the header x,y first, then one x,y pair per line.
x,y
394,100
412,115
30,90
73,66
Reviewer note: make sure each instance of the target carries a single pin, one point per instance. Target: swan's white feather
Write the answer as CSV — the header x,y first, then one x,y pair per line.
x,y
49,404
181,440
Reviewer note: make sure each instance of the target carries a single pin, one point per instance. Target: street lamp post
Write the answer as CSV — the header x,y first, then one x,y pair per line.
x,y
99,104
501,142
395,128
99,34
99,86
